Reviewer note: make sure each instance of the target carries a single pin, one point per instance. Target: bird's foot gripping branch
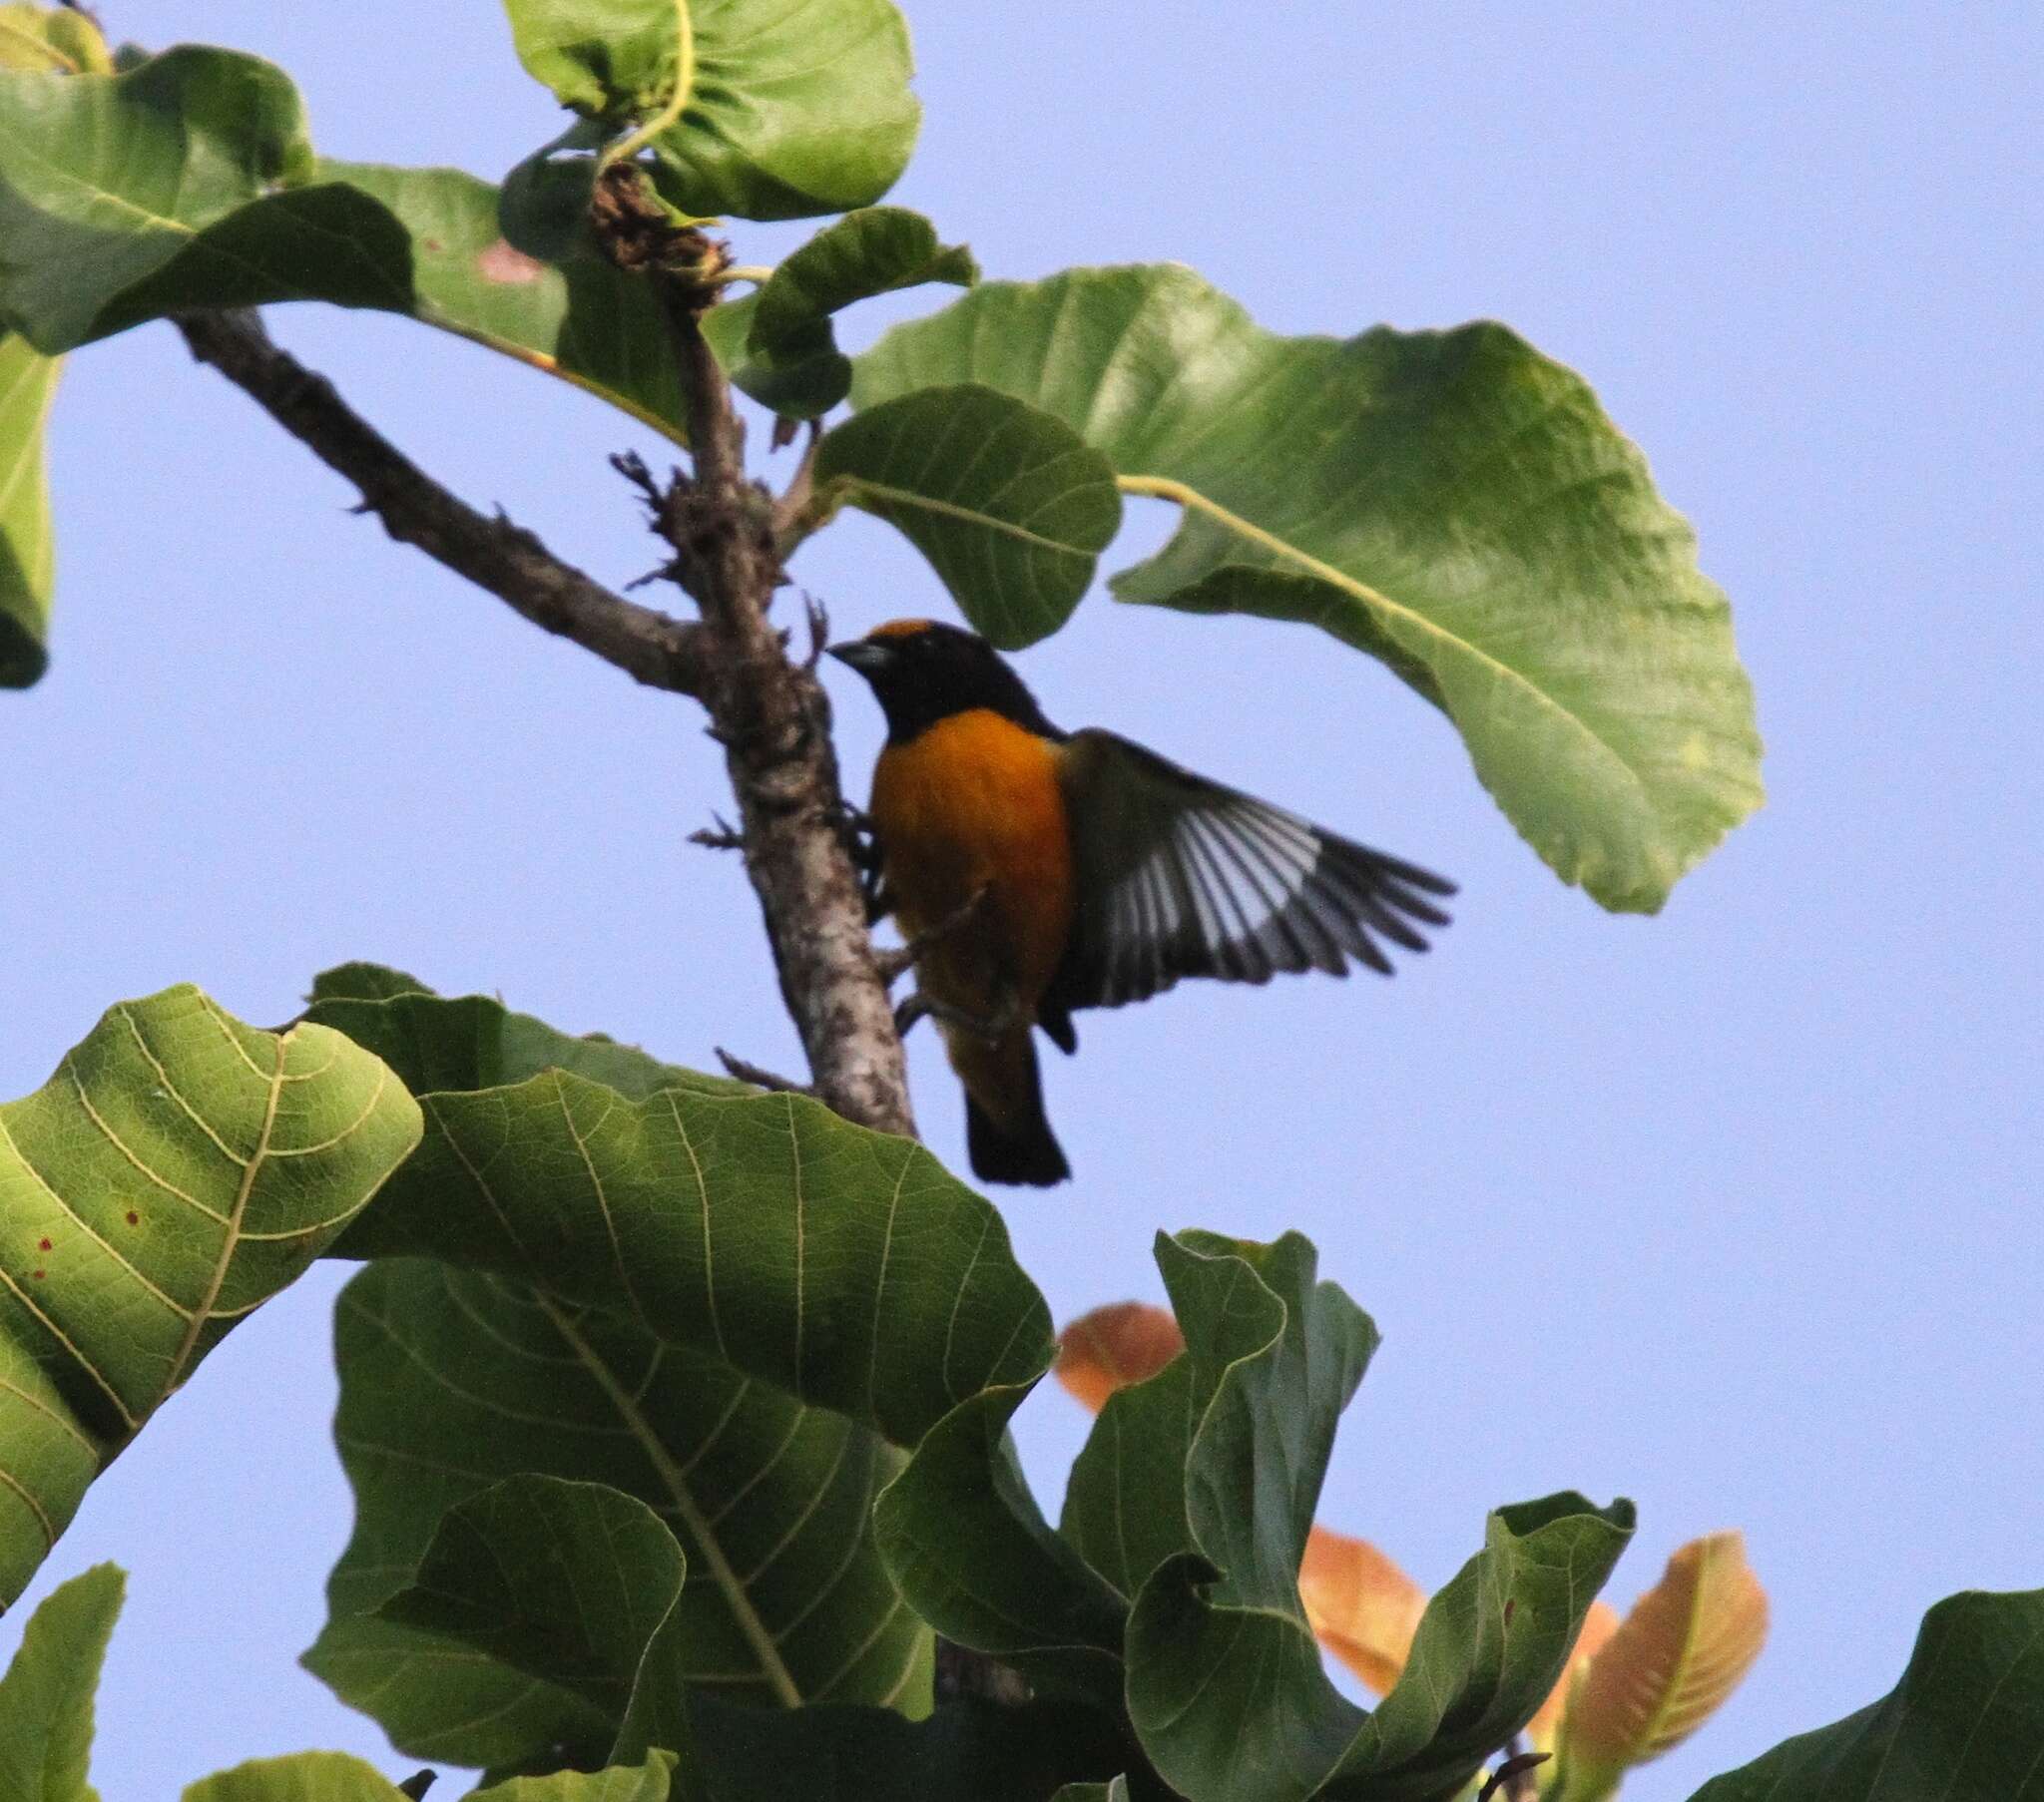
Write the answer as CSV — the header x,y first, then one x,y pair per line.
x,y
798,1557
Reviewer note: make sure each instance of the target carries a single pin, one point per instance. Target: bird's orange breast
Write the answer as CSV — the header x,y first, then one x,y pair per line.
x,y
973,803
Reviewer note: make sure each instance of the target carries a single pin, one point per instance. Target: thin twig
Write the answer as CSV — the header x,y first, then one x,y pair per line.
x,y
746,1072
495,554
1515,1777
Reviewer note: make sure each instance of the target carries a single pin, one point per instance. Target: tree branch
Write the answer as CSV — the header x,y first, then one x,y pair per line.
x,y
494,554
773,720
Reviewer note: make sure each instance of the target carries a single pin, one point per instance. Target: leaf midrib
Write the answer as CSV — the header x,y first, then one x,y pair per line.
x,y
987,522
771,1667
231,1236
1186,495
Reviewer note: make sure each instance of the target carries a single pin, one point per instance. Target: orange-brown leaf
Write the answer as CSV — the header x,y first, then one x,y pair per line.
x,y
1681,1651
1112,1347
1364,1609
1598,1627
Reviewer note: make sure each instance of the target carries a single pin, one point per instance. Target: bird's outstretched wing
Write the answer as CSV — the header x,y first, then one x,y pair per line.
x,y
1178,876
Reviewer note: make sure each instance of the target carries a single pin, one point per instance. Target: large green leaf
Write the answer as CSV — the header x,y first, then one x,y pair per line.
x,y
779,345
46,1697
569,1581
1489,1650
973,1555
452,1382
476,1042
1965,1723
1125,1506
1009,504
28,544
297,1777
188,182
582,1586
1272,1358
178,1171
842,1266
767,109
1453,503
1225,1682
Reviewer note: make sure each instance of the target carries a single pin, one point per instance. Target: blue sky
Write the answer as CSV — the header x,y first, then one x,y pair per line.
x,y
1733,1210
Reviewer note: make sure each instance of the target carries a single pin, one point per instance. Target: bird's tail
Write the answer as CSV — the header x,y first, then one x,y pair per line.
x,y
1017,1146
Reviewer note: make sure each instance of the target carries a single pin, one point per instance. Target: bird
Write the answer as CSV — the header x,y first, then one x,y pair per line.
x,y
1034,872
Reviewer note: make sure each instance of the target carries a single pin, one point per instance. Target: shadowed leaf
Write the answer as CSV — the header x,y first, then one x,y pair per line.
x,y
189,182
975,1557
779,345
1453,503
476,1042
769,1501
178,1169
1965,1723
1010,506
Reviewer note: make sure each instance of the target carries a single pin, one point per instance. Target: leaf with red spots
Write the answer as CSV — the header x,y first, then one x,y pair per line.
x,y
263,1143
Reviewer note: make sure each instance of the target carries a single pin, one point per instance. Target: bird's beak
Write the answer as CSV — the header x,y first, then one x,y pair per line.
x,y
861,655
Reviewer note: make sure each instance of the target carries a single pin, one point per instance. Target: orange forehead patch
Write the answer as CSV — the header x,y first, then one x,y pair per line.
x,y
901,629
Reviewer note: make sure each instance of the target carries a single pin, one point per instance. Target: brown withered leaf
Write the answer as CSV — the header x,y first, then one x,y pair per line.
x,y
1112,1347
1360,1606
1598,1627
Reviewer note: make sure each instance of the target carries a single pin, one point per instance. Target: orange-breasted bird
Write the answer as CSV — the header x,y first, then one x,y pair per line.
x,y
1039,871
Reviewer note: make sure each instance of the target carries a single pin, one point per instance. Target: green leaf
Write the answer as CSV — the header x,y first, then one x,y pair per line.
x,y
46,1697
1117,1791
1226,1689
846,1267
766,108
297,1777
1125,1507
178,1171
188,182
1273,1358
1489,1650
650,1781
1009,505
1965,1723
28,543
477,1043
970,1751
54,40
779,345
771,1503
575,1583
568,1581
974,1556
1453,503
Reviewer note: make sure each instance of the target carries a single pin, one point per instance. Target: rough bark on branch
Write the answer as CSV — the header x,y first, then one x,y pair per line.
x,y
773,720
494,554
